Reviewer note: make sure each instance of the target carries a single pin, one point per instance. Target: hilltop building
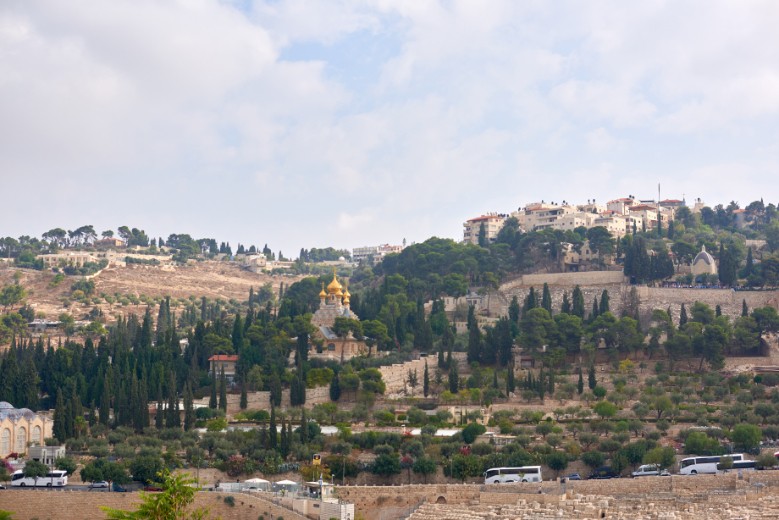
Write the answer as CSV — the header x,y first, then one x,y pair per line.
x,y
493,223
377,253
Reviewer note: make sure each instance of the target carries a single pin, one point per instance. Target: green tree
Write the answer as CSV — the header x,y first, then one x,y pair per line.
x,y
35,469
557,461
424,466
173,503
746,437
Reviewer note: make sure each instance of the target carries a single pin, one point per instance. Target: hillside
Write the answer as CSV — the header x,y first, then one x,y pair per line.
x,y
211,279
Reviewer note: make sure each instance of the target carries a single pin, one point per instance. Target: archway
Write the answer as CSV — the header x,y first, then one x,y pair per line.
x,y
440,500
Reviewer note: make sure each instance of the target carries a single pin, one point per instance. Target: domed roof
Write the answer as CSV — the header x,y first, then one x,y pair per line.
x,y
5,405
334,287
322,293
703,256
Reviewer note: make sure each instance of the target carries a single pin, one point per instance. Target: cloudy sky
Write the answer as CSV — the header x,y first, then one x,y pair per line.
x,y
336,123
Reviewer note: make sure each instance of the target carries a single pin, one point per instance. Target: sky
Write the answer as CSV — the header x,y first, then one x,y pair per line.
x,y
303,124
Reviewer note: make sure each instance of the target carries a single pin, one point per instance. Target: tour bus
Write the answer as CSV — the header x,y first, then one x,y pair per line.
x,y
708,464
55,478
738,465
506,475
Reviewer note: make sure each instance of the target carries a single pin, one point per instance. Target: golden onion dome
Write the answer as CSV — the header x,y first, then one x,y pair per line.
x,y
334,287
338,293
322,293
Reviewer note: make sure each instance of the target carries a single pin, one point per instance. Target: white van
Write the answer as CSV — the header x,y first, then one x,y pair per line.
x,y
649,470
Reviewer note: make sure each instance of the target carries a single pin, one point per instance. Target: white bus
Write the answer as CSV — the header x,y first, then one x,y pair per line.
x,y
506,475
738,465
707,464
55,478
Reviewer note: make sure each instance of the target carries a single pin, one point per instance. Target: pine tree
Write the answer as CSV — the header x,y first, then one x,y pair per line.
x,y
580,382
426,381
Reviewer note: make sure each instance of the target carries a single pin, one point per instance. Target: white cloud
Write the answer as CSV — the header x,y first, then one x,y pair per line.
x,y
411,115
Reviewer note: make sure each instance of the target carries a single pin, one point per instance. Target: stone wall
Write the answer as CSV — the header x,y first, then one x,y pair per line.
x,y
85,505
650,298
261,400
371,500
567,279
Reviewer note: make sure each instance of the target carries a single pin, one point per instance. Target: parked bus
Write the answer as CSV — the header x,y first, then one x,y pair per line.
x,y
506,475
739,465
708,464
55,478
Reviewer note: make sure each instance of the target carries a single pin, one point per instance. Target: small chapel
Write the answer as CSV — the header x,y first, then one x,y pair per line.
x,y
334,303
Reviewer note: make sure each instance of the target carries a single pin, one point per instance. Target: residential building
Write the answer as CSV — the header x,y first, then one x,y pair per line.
x,y
226,362
493,223
74,259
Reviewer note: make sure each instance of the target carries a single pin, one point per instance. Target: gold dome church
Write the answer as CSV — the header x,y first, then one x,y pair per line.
x,y
334,303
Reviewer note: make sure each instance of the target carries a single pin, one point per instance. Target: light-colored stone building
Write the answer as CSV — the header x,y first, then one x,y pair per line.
x,y
20,428
334,303
703,263
493,223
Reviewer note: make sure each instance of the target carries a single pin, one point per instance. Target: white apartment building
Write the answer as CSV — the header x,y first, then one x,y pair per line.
x,y
493,223
360,254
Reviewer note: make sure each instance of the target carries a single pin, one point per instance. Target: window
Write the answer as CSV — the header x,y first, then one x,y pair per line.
x,y
5,442
36,435
21,439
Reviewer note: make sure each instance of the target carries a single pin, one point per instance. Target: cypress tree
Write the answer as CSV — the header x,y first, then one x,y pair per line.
x,y
565,308
222,390
604,302
244,398
474,343
284,444
514,310
577,308
454,378
530,301
580,382
744,308
592,382
60,421
335,388
212,400
683,316
426,381
441,360
546,298
189,408
272,431
510,385
718,311
595,309
304,427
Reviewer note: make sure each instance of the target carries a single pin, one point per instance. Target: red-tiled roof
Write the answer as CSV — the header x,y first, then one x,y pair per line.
x,y
223,357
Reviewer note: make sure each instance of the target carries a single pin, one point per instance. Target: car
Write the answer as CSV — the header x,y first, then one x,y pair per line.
x,y
152,488
604,472
118,489
573,476
2,486
102,484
